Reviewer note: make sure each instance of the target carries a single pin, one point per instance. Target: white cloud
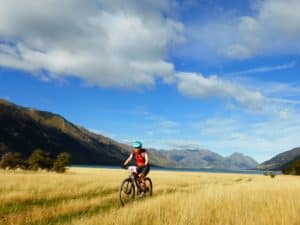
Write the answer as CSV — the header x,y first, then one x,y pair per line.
x,y
265,69
159,127
120,44
275,28
238,51
198,86
182,144
262,139
281,89
106,43
265,98
285,101
272,29
168,124
6,98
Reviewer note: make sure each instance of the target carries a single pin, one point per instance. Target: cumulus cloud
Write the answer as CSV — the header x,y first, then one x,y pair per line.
x,y
199,86
273,27
106,43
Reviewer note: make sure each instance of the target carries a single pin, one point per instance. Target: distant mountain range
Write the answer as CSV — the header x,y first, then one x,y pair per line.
x,y
281,160
209,159
25,129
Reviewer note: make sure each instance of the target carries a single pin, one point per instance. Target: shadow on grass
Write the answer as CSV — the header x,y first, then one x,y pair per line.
x,y
65,218
28,204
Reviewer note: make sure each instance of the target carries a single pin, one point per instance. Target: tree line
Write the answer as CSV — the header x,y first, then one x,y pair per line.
x,y
39,159
292,168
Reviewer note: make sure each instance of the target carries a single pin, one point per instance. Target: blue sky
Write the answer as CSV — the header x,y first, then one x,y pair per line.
x,y
218,75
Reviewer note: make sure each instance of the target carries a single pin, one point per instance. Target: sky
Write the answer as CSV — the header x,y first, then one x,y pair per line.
x,y
207,74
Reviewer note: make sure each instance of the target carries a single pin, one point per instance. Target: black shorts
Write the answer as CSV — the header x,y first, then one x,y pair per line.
x,y
143,169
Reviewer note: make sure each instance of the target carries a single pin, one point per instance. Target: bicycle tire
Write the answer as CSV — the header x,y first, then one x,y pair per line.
x,y
126,191
149,185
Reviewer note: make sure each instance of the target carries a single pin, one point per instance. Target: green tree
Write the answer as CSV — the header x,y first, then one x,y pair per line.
x,y
11,160
293,168
62,160
40,159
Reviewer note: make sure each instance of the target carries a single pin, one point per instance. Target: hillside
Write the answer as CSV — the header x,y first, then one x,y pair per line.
x,y
281,160
25,129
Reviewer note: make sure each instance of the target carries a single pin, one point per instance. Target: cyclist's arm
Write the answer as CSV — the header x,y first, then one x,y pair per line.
x,y
146,159
128,160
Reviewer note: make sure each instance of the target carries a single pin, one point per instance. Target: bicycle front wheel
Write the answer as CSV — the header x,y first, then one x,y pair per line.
x,y
126,192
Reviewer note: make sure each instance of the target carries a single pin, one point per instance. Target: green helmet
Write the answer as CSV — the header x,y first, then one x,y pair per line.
x,y
137,144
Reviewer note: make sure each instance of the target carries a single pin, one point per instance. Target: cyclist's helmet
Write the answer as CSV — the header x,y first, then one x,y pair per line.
x,y
137,144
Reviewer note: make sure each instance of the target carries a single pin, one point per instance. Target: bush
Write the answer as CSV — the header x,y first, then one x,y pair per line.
x,y
62,160
12,160
272,175
40,159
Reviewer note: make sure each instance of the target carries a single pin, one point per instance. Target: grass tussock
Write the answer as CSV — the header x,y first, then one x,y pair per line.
x,y
89,197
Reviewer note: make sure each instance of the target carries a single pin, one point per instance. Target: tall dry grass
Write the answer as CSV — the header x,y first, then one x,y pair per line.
x,y
89,197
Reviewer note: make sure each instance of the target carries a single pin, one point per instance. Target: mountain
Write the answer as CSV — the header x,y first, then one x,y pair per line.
x,y
25,129
209,159
241,161
281,160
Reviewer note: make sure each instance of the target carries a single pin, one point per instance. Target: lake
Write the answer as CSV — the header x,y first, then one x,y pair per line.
x,y
207,170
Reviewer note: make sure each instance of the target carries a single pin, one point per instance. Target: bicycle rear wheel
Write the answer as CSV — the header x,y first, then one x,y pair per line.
x,y
126,192
149,186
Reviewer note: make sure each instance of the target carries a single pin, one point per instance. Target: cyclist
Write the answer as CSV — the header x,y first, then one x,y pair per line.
x,y
141,160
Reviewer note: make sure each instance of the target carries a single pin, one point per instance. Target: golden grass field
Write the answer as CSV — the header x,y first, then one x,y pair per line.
x,y
89,197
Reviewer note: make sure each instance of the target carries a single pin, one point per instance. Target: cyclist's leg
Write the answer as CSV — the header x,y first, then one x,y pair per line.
x,y
143,173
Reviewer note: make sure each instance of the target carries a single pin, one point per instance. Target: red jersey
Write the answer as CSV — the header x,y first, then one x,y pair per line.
x,y
140,157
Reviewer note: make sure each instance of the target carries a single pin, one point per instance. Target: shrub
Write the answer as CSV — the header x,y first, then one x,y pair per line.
x,y
62,160
272,175
12,160
40,159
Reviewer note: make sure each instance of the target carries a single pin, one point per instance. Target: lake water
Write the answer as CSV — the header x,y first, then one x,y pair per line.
x,y
183,169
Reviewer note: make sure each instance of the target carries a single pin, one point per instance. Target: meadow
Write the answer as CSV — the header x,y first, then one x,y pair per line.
x,y
85,196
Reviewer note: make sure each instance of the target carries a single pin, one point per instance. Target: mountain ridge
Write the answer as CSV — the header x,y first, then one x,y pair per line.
x,y
25,129
202,158
280,160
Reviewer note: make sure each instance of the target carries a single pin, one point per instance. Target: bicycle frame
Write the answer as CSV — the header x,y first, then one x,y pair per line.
x,y
135,177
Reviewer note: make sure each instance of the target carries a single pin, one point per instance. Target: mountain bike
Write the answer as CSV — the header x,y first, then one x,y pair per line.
x,y
130,185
